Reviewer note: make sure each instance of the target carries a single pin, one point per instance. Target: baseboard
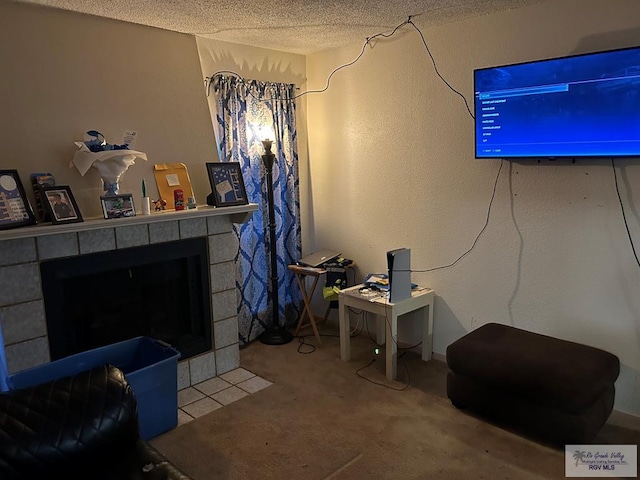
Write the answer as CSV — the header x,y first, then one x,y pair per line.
x,y
440,357
624,420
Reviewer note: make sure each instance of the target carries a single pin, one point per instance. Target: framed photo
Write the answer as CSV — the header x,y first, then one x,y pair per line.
x,y
60,204
15,209
227,184
38,182
118,206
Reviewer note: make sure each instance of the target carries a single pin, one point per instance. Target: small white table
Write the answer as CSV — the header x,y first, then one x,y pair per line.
x,y
421,299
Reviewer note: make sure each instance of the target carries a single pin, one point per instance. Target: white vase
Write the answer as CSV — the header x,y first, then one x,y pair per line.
x,y
110,163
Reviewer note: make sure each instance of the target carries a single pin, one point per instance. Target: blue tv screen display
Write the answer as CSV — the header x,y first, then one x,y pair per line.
x,y
579,106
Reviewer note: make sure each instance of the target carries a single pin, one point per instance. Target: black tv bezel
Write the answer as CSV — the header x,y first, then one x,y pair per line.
x,y
538,157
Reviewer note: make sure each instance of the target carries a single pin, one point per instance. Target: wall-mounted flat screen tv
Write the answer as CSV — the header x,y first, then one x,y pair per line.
x,y
578,106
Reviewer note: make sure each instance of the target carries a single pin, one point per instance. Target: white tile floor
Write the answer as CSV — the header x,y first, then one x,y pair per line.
x,y
205,397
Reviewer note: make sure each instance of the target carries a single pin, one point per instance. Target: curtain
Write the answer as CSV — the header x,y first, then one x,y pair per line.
x,y
4,371
247,112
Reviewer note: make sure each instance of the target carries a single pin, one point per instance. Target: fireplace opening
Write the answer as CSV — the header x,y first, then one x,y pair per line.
x,y
160,291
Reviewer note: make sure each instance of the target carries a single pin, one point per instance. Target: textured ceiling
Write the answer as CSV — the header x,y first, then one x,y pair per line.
x,y
296,26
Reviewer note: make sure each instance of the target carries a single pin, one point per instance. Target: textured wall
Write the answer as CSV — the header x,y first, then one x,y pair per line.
x,y
392,164
66,73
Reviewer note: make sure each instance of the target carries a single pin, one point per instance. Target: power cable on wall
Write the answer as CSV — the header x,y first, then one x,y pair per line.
x,y
484,227
364,46
368,42
624,217
435,68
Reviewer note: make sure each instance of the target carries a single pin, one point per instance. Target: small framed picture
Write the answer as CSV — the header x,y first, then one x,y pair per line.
x,y
118,206
60,204
227,184
15,209
38,182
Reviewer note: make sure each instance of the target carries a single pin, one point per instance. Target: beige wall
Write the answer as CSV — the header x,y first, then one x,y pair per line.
x,y
392,165
65,73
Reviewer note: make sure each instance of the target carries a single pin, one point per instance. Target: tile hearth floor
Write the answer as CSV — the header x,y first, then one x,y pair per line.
x,y
205,397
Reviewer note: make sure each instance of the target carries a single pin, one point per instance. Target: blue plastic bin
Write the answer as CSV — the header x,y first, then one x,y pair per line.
x,y
150,366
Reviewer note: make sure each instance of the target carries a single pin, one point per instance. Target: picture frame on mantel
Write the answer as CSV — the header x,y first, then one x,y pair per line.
x,y
118,206
15,209
227,184
61,205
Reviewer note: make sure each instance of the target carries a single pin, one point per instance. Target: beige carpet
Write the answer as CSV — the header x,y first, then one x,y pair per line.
x,y
320,420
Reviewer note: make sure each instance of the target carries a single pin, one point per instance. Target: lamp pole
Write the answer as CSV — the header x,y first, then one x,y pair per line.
x,y
274,334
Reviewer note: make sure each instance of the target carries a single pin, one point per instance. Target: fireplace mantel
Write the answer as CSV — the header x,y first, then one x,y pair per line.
x,y
237,214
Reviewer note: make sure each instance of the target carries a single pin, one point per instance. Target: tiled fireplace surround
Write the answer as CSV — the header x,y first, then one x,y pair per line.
x,y
22,311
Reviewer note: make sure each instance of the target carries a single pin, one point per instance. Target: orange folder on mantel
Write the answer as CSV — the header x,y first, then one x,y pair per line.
x,y
171,176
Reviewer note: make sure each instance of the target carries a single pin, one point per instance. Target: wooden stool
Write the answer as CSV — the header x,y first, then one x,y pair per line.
x,y
301,272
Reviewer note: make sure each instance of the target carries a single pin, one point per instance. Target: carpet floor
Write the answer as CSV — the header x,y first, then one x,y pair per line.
x,y
327,419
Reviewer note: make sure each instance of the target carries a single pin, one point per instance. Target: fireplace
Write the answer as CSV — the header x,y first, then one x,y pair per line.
x,y
25,326
160,291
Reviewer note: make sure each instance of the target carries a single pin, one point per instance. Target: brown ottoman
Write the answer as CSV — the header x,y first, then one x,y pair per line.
x,y
557,391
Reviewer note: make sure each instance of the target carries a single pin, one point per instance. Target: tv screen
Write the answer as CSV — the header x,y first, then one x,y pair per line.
x,y
578,106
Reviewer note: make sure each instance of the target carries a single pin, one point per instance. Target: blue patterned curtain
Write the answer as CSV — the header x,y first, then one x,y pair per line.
x,y
247,112
4,371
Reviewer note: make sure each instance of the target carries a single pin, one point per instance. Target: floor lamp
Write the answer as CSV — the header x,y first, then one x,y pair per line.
x,y
274,334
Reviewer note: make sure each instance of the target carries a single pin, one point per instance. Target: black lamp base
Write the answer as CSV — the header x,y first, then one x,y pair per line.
x,y
275,336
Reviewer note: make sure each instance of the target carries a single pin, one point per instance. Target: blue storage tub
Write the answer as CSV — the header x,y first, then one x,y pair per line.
x,y
150,366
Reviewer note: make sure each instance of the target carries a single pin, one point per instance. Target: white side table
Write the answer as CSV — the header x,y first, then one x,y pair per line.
x,y
388,313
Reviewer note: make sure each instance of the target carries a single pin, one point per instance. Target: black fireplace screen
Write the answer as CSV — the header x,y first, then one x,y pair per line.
x,y
161,291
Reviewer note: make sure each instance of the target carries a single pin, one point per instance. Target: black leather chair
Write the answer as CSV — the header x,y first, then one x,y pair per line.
x,y
82,426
